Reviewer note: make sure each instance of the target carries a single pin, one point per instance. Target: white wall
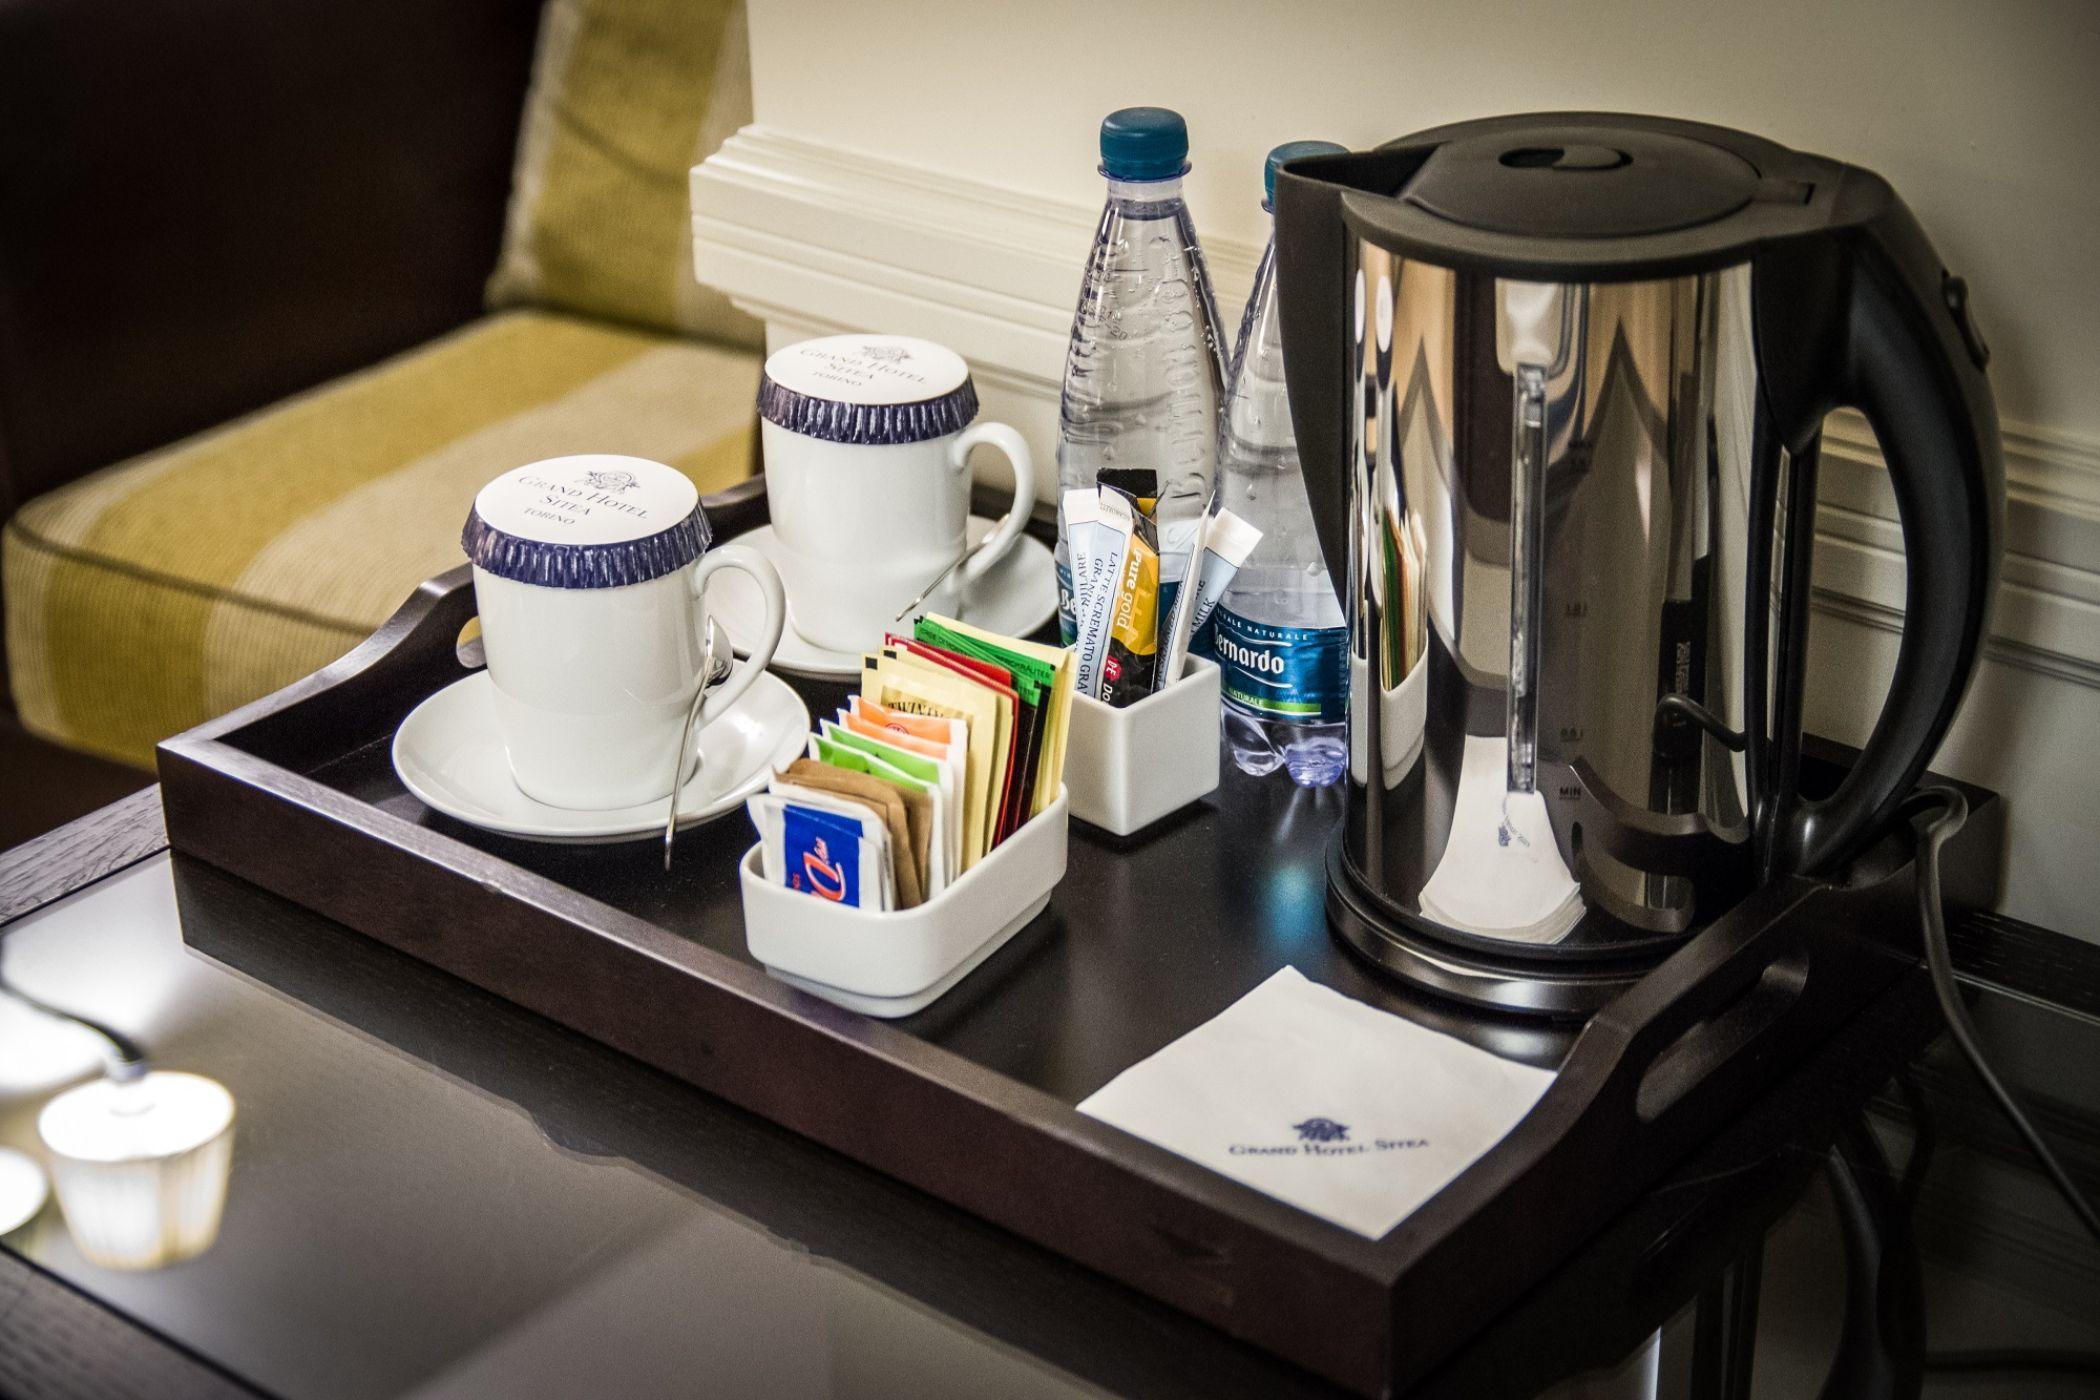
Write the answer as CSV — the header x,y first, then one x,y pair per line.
x,y
927,166
1985,114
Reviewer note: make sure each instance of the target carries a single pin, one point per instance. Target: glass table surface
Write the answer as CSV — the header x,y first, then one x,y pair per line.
x,y
436,1194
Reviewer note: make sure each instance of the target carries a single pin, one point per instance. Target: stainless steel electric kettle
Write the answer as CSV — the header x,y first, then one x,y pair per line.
x,y
1558,383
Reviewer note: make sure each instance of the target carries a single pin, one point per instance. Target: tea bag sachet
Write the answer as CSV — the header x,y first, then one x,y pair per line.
x,y
1008,742
1062,668
828,846
923,690
918,776
823,776
956,741
912,660
1043,678
1028,712
944,740
916,795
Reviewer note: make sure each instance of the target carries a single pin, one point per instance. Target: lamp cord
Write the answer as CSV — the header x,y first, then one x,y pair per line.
x,y
124,1059
1939,962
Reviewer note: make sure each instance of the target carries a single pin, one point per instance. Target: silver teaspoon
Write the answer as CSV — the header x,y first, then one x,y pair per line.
x,y
944,575
714,669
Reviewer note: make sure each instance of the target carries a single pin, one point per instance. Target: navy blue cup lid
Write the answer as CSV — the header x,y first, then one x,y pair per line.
x,y
1144,143
1290,151
871,390
594,521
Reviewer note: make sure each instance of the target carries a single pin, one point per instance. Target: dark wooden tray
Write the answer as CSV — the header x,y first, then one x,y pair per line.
x,y
972,1099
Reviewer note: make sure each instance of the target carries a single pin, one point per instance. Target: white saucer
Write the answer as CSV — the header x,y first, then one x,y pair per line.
x,y
1017,596
22,1189
448,754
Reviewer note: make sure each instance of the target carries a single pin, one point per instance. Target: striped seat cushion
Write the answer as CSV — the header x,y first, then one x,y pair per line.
x,y
170,588
627,97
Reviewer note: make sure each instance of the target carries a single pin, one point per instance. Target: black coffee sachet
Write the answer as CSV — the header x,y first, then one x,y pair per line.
x,y
1141,484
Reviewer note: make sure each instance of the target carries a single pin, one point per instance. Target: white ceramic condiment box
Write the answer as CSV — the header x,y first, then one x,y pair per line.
x,y
1128,768
895,963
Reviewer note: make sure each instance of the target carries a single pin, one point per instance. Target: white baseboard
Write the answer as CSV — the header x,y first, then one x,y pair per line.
x,y
811,237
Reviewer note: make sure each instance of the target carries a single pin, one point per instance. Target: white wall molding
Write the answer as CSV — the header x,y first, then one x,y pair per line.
x,y
807,235
2047,616
806,229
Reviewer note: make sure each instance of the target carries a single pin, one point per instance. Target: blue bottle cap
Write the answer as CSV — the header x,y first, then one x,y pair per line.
x,y
1289,151
1144,143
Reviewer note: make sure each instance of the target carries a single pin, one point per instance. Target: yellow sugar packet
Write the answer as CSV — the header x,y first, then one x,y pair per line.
x,y
927,690
1002,731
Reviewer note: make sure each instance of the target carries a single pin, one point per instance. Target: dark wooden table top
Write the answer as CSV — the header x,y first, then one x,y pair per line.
x,y
436,1194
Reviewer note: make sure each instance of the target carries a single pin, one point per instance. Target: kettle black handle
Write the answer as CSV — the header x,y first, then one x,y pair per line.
x,y
1909,359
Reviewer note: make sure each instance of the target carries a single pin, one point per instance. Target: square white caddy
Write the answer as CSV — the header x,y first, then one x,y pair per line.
x,y
1128,768
900,961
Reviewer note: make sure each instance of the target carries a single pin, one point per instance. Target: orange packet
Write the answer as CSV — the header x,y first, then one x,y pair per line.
x,y
925,727
904,739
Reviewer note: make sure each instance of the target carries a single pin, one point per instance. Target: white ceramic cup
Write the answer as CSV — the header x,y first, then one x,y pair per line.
x,y
141,1167
864,521
592,685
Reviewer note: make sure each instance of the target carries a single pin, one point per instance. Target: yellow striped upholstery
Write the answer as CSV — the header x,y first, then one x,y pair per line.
x,y
170,588
627,97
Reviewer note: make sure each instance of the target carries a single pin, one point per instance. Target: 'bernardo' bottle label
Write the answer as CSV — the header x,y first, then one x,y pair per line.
x,y
1293,673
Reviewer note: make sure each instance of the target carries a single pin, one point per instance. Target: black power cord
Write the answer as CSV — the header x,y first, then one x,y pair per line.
x,y
1939,962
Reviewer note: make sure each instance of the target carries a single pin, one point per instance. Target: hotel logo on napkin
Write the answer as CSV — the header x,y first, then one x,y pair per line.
x,y
1323,1137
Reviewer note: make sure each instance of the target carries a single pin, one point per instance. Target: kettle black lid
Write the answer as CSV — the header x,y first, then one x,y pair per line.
x,y
1582,181
1585,196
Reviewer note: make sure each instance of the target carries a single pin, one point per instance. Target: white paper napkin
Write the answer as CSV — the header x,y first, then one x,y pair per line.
x,y
1333,1106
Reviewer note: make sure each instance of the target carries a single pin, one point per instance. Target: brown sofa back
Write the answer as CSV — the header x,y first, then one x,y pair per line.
x,y
207,206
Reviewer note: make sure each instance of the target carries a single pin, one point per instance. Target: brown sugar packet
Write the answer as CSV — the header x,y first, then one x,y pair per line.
x,y
918,823
918,807
908,847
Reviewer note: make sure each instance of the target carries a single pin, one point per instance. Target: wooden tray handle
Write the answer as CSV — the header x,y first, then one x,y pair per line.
x,y
1686,1043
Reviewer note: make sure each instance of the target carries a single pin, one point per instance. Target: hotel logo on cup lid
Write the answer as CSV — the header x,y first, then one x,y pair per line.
x,y
868,389
593,521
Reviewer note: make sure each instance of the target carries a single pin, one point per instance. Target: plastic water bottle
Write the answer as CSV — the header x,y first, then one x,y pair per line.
x,y
1145,371
1281,639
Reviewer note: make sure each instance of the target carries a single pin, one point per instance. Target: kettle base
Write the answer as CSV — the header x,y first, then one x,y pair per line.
x,y
1413,951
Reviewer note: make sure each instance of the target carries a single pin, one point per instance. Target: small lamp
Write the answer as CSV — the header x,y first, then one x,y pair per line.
x,y
141,1165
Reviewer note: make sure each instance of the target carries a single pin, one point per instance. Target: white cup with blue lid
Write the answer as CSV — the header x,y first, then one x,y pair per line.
x,y
867,444
590,574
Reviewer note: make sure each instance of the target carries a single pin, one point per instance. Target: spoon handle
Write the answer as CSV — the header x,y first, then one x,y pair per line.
x,y
687,734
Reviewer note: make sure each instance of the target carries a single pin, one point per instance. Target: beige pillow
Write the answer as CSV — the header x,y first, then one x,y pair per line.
x,y
627,96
